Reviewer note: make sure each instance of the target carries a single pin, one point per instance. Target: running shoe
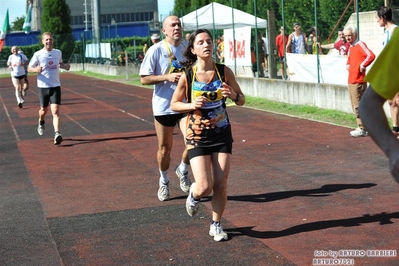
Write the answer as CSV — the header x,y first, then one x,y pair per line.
x,y
358,132
20,104
185,182
163,191
40,128
58,138
192,205
217,232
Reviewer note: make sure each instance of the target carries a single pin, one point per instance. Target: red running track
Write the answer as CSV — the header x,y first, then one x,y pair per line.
x,y
298,189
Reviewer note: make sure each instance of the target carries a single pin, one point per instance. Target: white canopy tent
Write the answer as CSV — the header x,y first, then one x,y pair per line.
x,y
218,16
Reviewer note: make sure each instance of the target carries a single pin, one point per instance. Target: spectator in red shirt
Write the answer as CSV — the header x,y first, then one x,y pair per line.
x,y
281,42
341,45
359,57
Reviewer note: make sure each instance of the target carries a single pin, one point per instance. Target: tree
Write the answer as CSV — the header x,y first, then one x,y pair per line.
x,y
369,5
56,18
17,24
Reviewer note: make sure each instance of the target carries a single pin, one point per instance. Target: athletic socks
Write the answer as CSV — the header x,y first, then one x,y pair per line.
x,y
215,223
164,177
183,167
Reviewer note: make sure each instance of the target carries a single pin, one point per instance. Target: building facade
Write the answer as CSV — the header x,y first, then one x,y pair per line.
x,y
84,12
92,19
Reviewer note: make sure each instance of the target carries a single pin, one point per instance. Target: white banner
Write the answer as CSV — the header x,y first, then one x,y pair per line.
x,y
242,51
92,50
332,69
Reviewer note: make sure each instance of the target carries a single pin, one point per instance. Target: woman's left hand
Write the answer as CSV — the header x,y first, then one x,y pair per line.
x,y
227,91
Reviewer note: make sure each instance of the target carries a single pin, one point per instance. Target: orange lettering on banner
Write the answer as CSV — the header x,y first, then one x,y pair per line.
x,y
239,52
231,50
241,49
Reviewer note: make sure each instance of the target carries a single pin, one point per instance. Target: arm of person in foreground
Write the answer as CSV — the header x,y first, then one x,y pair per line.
x,y
375,122
154,79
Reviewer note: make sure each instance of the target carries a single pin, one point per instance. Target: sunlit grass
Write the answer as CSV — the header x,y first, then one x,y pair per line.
x,y
132,79
303,111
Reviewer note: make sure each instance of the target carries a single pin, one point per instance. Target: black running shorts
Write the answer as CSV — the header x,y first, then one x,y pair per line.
x,y
200,151
169,120
49,95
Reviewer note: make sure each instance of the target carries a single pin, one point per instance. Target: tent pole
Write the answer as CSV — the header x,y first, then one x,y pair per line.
x,y
317,40
357,19
285,57
213,34
196,16
256,42
234,37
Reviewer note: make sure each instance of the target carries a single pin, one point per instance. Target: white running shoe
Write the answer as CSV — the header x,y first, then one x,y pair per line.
x,y
58,138
192,205
40,129
185,182
163,191
217,232
358,132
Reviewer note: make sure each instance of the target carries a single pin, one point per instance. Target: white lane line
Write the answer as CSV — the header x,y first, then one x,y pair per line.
x,y
130,94
78,93
118,91
9,119
123,111
135,116
76,122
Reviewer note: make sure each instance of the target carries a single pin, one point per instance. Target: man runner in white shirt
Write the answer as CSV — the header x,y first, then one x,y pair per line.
x,y
16,63
47,63
162,68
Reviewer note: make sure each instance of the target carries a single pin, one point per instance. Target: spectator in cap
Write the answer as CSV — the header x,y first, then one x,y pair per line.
x,y
296,41
155,38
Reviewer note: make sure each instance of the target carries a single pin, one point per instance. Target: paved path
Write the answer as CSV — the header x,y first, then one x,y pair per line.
x,y
296,187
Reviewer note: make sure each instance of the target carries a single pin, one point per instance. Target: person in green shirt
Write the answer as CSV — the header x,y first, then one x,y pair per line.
x,y
384,84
